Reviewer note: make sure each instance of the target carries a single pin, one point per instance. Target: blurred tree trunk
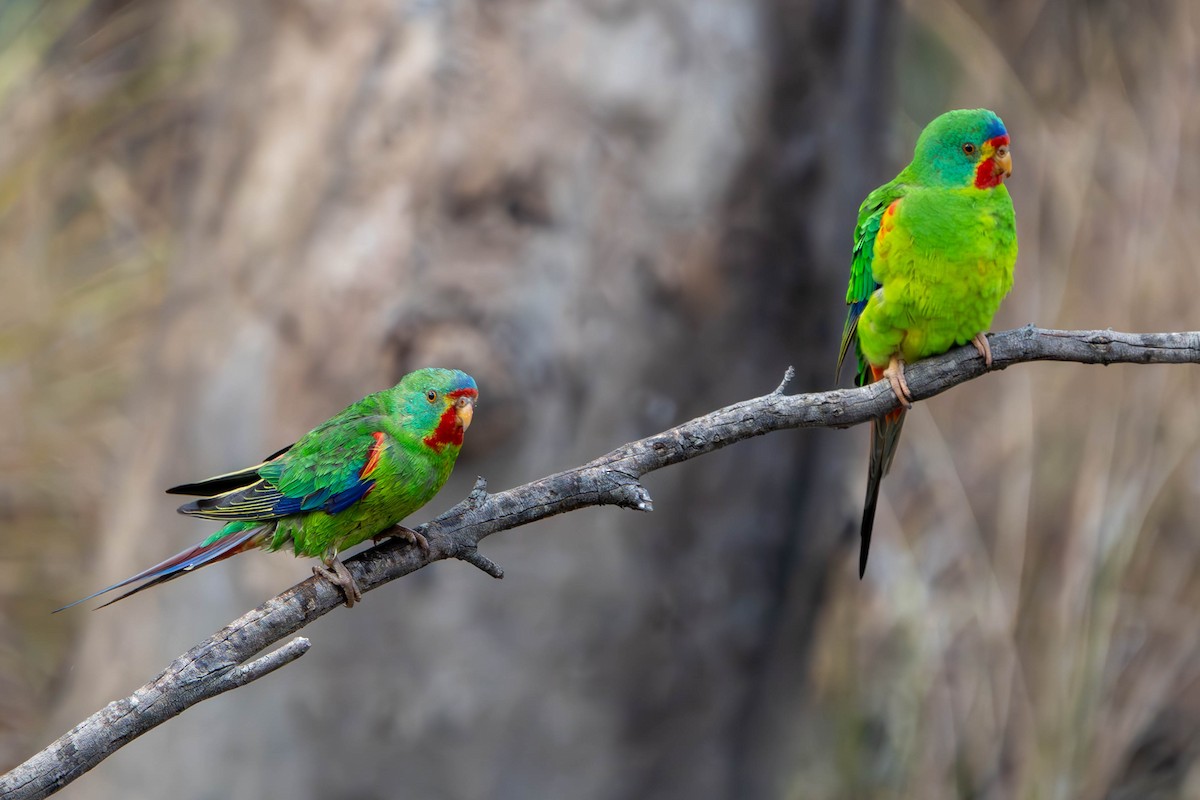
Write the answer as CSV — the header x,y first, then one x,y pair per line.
x,y
615,215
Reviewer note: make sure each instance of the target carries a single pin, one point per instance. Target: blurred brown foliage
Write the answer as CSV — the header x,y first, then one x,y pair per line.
x,y
223,221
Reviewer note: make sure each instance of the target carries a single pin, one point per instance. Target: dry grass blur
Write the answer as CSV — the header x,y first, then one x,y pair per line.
x,y
85,243
1026,628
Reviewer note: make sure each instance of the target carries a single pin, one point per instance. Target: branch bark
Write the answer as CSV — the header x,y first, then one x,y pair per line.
x,y
218,664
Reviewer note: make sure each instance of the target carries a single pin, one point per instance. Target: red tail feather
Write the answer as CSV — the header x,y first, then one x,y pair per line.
x,y
186,561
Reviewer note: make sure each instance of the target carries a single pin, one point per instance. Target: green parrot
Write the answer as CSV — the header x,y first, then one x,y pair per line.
x,y
934,250
350,479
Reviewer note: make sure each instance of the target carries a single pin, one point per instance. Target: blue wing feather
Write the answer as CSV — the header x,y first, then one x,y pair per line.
x,y
325,500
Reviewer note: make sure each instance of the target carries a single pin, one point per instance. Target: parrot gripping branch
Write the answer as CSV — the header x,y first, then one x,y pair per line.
x,y
212,666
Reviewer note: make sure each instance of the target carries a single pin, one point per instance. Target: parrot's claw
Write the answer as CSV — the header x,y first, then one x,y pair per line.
x,y
405,533
895,376
980,341
336,573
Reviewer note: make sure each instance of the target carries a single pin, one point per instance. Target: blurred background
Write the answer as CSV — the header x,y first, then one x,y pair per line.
x,y
221,222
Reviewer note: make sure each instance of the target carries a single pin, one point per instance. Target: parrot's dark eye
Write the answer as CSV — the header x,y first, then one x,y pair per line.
x,y
969,149
431,395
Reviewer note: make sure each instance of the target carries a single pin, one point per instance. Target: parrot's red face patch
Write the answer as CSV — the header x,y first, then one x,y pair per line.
x,y
449,430
995,168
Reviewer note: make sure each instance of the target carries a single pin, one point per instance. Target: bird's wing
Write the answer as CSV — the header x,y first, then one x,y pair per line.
x,y
862,280
220,484
328,470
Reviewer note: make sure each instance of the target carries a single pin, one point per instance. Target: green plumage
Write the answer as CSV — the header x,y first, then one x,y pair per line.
x,y
328,460
349,479
933,257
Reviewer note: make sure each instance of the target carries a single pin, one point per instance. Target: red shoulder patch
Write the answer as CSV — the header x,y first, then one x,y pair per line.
x,y
888,222
373,455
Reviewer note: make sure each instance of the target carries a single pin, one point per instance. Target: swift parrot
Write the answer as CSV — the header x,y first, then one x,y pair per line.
x,y
934,250
352,478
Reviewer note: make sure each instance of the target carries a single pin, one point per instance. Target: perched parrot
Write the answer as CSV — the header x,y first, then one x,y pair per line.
x,y
934,250
350,479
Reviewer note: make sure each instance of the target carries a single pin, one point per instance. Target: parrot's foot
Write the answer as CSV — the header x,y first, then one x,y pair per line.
x,y
980,341
336,573
895,376
405,533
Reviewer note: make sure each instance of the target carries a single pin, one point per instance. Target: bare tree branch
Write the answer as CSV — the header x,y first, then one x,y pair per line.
x,y
212,667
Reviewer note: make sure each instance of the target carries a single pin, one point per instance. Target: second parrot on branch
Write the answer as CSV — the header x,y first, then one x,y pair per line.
x,y
934,250
352,478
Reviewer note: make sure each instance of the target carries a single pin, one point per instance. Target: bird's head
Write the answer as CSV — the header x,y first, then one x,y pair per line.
x,y
968,147
440,404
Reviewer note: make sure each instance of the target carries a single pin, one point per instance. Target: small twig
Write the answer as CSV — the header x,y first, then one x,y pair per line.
x,y
788,376
211,667
477,559
265,665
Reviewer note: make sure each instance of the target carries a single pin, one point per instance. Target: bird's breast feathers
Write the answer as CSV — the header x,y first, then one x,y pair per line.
x,y
945,261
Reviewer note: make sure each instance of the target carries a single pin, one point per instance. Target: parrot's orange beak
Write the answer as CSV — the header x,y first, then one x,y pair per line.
x,y
1003,160
464,411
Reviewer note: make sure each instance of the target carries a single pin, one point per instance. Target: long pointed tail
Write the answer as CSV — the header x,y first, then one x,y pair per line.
x,y
885,434
236,541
